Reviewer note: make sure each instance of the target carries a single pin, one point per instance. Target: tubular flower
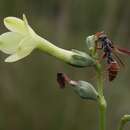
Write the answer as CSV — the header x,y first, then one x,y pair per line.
x,y
21,40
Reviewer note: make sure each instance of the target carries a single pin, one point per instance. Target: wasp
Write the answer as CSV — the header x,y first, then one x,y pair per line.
x,y
109,53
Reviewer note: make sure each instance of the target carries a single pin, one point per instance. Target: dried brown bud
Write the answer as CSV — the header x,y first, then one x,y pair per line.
x,y
62,79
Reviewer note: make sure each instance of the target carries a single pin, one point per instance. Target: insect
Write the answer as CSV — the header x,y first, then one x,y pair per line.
x,y
113,69
110,53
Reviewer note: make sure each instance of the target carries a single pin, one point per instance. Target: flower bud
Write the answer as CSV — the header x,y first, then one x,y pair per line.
x,y
81,59
84,89
125,118
90,42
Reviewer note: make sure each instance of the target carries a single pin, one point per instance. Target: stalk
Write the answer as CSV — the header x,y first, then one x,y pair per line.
x,y
73,57
55,51
101,100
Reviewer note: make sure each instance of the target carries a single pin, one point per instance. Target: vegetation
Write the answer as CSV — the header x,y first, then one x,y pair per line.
x,y
29,94
21,40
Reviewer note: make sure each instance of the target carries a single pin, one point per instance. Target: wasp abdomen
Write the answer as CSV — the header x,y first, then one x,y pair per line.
x,y
113,70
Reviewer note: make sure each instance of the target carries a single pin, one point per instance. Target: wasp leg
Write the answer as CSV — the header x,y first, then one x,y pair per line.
x,y
103,56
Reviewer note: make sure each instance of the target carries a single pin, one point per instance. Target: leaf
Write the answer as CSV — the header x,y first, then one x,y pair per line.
x,y
26,46
9,42
85,90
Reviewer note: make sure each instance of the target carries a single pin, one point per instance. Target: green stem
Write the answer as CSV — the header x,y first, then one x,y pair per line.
x,y
101,100
55,51
123,121
72,57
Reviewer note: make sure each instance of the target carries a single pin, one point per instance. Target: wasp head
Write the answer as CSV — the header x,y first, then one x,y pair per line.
x,y
101,36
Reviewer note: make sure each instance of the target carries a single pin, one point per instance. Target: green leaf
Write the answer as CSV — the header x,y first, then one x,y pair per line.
x,y
26,46
9,42
85,90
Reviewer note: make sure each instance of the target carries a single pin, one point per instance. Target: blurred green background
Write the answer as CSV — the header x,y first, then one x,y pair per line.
x,y
30,98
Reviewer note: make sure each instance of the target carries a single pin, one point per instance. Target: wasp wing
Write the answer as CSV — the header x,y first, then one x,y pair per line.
x,y
118,58
121,50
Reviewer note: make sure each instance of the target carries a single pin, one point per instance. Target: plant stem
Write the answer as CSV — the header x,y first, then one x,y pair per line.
x,y
123,121
51,49
101,100
73,57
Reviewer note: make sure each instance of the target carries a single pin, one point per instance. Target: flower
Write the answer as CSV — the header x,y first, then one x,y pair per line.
x,y
21,40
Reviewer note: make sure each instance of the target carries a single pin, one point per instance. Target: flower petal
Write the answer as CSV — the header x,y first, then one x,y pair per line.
x,y
15,25
9,42
26,46
27,26
17,56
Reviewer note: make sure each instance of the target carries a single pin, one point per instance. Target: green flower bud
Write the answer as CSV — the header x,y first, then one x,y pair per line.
x,y
82,59
84,89
123,121
90,42
125,118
